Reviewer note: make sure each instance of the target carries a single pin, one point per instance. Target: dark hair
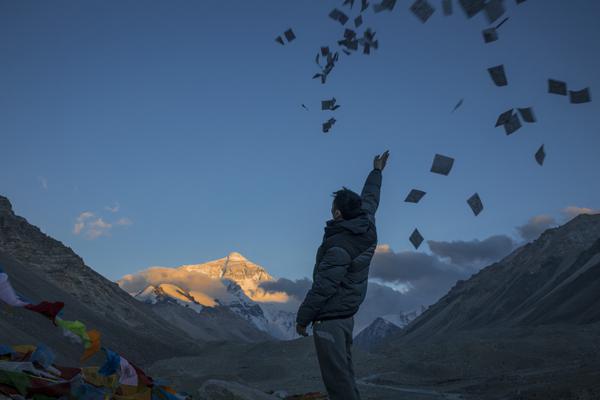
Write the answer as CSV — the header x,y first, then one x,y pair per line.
x,y
348,202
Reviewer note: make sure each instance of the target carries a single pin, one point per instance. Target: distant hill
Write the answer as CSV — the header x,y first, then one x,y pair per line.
x,y
374,334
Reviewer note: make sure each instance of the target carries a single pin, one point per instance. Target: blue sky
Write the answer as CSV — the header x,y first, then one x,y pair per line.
x,y
187,115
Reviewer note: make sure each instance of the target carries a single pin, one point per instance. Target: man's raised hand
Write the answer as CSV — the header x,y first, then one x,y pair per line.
x,y
380,160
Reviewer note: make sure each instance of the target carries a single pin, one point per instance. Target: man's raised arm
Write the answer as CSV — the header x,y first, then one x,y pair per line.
x,y
370,192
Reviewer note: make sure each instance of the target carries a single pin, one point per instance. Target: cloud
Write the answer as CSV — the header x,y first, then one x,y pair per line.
x,y
191,281
572,211
383,300
97,228
113,209
473,252
296,289
420,278
92,227
81,221
535,226
124,222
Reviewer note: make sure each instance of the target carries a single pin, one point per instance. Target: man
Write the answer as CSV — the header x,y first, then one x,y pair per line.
x,y
340,281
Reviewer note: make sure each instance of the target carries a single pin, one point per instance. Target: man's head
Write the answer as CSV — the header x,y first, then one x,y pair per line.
x,y
346,204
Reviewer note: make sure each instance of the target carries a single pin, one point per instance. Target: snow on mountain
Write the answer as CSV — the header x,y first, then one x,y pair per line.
x,y
236,268
383,327
239,282
374,334
166,292
402,319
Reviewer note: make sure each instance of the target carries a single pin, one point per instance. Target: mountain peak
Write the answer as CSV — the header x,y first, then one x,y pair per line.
x,y
5,206
235,256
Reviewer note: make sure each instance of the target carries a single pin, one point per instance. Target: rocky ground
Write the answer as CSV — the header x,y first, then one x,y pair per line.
x,y
482,365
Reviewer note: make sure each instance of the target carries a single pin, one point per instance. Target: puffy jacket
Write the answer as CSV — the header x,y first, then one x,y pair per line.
x,y
341,270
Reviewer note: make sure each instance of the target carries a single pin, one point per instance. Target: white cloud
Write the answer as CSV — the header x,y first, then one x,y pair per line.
x,y
92,227
573,211
81,221
124,222
535,226
97,228
190,281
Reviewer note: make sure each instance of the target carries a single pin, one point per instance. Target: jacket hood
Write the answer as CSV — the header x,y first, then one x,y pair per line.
x,y
357,225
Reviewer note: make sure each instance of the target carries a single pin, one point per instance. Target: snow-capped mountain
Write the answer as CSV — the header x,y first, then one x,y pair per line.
x,y
235,268
374,334
402,319
166,292
383,327
239,280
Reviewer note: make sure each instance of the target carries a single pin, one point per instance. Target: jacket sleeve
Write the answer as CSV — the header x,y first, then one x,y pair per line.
x,y
329,274
370,192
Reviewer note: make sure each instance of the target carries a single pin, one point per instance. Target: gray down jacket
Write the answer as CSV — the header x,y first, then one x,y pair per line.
x,y
341,271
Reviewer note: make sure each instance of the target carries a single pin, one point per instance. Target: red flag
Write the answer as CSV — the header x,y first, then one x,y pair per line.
x,y
47,309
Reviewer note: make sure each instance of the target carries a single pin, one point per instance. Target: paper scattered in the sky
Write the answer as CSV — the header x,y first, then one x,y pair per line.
x,y
513,124
472,7
502,22
331,60
540,156
490,35
329,104
442,164
527,114
415,196
368,41
498,75
422,9
327,125
494,9
504,117
304,106
416,239
460,103
384,5
358,21
475,204
289,36
447,6
580,96
339,16
557,87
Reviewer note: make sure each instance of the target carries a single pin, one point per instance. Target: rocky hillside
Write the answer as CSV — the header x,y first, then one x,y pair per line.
x,y
526,327
555,279
374,334
42,268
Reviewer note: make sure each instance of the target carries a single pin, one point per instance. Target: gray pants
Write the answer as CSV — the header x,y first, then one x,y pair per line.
x,y
333,341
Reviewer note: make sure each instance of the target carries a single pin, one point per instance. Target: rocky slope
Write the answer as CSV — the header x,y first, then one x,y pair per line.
x,y
554,279
525,327
42,268
211,323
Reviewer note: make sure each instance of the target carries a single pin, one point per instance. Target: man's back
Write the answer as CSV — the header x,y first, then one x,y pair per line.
x,y
340,281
